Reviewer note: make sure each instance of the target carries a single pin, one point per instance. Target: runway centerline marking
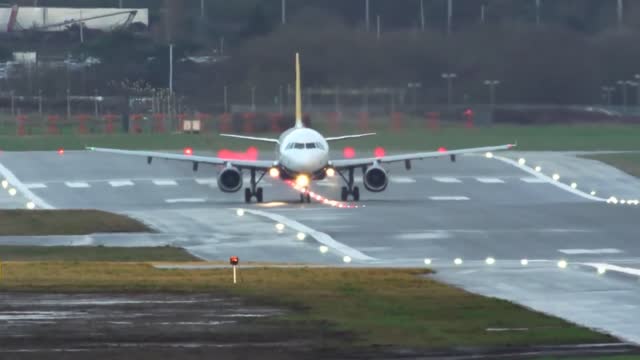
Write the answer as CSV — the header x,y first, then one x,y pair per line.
x,y
447,180
590,251
533,180
36,186
449,198
210,182
165,182
185,200
121,183
490,180
77,184
320,237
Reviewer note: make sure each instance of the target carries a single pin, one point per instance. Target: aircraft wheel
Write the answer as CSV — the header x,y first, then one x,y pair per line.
x,y
356,193
344,193
259,194
302,198
247,195
308,198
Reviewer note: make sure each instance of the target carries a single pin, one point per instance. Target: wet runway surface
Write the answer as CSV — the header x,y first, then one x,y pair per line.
x,y
440,211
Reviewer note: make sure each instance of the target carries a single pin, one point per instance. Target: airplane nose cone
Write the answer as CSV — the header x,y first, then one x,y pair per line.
x,y
306,163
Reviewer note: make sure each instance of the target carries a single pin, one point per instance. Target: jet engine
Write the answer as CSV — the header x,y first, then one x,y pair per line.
x,y
230,180
376,179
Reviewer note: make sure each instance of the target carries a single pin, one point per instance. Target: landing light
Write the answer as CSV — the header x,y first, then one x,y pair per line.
x,y
274,172
331,172
302,180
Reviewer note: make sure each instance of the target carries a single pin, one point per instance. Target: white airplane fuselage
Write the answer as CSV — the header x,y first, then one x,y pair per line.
x,y
302,150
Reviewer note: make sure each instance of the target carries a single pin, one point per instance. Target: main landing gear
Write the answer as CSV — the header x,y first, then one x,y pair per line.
x,y
254,191
305,197
349,190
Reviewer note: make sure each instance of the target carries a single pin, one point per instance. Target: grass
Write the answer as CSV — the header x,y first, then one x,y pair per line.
x,y
65,222
627,162
377,306
574,137
93,253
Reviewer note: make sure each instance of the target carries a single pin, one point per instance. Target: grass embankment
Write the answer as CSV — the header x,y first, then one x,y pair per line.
x,y
627,162
93,253
378,306
575,137
65,222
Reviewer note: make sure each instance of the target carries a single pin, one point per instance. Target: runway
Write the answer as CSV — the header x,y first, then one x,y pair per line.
x,y
440,211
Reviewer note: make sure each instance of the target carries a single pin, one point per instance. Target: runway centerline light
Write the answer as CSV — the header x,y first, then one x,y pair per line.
x,y
601,270
240,212
593,193
280,227
538,168
574,185
346,259
522,161
489,155
457,261
301,236
302,180
274,172
323,249
13,192
623,201
612,200
556,177
331,172
490,261
31,205
562,264
5,184
427,261
524,262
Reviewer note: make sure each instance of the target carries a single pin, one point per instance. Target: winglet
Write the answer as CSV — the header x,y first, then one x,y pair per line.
x,y
299,123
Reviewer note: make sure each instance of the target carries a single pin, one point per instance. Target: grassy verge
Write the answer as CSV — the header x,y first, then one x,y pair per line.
x,y
378,306
65,222
576,137
627,162
93,253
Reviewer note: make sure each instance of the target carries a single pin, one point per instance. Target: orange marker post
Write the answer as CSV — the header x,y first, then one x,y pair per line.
x,y
234,263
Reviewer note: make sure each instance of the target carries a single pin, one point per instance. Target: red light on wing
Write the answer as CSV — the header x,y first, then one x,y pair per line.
x,y
61,151
379,152
442,149
188,151
349,152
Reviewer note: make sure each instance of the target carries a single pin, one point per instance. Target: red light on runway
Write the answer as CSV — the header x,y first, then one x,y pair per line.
x,y
349,152
379,152
442,149
188,151
61,151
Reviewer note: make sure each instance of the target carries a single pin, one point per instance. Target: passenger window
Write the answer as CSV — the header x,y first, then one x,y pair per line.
x,y
311,145
299,146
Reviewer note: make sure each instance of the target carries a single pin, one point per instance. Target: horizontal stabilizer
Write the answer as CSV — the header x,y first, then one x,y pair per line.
x,y
349,137
275,141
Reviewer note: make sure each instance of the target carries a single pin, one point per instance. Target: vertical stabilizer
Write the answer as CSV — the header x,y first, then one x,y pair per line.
x,y
298,94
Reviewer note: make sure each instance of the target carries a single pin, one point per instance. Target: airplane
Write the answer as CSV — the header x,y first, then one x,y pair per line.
x,y
302,156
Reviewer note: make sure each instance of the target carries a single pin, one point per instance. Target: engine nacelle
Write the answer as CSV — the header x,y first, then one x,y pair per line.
x,y
376,179
230,180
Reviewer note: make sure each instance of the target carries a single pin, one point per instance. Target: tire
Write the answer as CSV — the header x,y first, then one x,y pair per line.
x,y
247,195
356,193
259,194
308,198
344,194
302,198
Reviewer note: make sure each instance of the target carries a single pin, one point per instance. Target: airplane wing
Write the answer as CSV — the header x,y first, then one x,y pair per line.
x,y
251,138
351,163
348,137
241,164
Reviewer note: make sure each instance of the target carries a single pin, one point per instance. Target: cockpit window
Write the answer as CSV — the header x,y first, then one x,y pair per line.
x,y
299,146
310,145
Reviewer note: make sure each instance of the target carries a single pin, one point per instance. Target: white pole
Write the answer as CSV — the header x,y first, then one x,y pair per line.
x,y
284,12
225,100
422,20
234,275
449,15
482,14
378,27
538,12
120,3
170,69
366,15
222,46
202,8
620,13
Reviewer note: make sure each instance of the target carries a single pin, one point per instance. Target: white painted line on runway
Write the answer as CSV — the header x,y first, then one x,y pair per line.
x,y
121,183
185,200
165,182
209,182
590,251
77,184
317,235
326,183
550,180
615,268
533,180
36,186
449,198
487,180
447,180
15,182
402,180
